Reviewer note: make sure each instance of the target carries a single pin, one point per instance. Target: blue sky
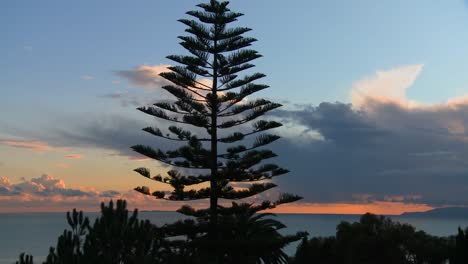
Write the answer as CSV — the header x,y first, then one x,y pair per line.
x,y
59,60
313,48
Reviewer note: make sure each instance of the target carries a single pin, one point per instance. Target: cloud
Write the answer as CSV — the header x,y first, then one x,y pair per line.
x,y
138,158
87,77
146,76
386,86
50,194
115,133
46,190
36,146
383,147
127,98
389,152
74,156
46,186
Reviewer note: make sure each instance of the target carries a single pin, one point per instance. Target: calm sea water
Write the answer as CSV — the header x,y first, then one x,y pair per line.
x,y
34,233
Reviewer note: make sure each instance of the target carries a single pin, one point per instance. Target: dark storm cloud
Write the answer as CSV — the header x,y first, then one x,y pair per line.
x,y
383,151
337,122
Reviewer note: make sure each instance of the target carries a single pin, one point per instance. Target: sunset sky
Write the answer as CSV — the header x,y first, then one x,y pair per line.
x,y
375,97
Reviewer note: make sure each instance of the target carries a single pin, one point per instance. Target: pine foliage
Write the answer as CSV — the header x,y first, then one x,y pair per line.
x,y
212,118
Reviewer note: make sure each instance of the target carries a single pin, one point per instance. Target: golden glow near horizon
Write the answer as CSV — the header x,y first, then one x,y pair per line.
x,y
385,208
116,173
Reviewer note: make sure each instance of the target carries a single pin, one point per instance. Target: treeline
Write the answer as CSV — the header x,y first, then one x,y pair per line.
x,y
377,239
118,236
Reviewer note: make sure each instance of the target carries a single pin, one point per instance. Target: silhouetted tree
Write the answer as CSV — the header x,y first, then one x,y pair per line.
x,y
251,236
423,248
317,250
210,100
115,237
461,247
376,239
25,259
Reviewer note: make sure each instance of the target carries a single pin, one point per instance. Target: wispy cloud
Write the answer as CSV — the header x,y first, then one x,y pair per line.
x,y
87,77
74,156
138,158
128,99
37,146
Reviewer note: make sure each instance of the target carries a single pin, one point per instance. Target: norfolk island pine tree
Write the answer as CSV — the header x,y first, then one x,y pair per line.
x,y
220,54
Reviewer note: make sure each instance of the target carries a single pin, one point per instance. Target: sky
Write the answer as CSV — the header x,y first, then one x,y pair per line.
x,y
375,97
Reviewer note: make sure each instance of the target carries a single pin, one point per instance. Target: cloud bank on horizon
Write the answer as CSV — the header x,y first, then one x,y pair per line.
x,y
46,193
380,149
50,194
382,145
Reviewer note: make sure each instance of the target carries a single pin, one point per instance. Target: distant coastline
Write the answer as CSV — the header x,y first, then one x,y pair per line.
x,y
446,212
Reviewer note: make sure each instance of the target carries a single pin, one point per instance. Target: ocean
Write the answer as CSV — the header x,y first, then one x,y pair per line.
x,y
34,233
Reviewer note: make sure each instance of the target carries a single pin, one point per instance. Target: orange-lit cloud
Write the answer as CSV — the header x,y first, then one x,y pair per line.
x,y
38,147
387,86
47,193
138,158
391,86
74,156
146,76
50,194
27,144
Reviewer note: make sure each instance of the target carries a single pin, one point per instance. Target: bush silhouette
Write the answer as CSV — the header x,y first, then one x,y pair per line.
x,y
377,239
